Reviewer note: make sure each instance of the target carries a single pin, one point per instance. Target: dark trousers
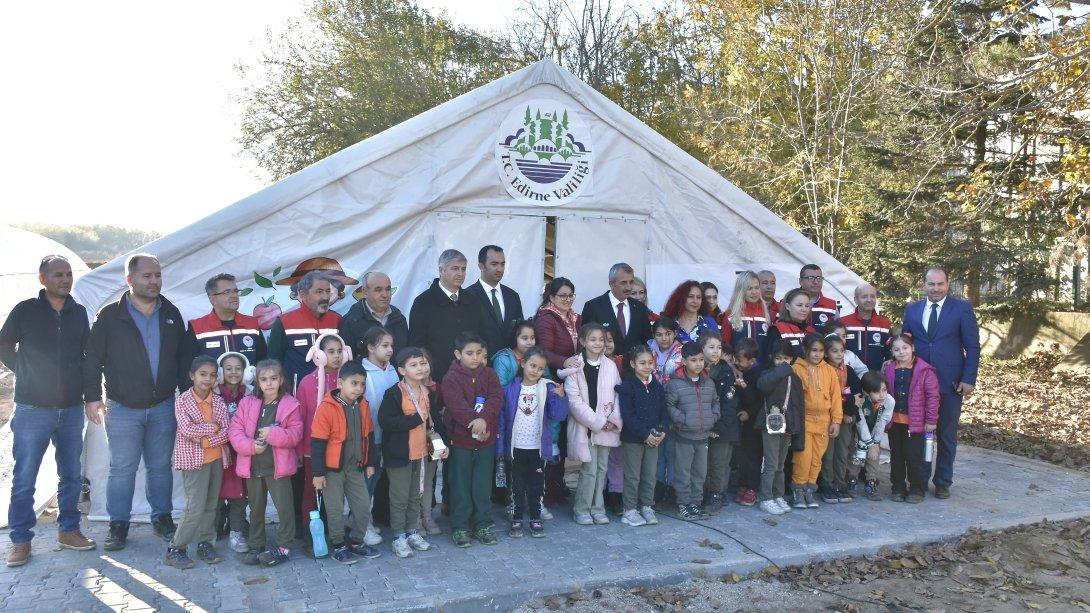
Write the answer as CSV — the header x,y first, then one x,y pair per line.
x,y
471,486
946,435
906,459
749,455
527,481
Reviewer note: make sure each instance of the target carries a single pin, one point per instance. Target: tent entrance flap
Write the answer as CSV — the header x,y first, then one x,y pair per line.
x,y
521,237
586,247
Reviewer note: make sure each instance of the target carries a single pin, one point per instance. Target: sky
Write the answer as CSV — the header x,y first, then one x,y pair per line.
x,y
120,112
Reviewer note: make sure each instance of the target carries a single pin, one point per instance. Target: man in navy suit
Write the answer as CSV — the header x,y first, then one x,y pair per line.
x,y
947,337
616,310
500,305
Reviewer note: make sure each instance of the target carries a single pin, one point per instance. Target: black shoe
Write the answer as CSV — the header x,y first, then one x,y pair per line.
x,y
164,527
272,557
684,511
914,498
178,558
715,503
115,540
364,551
828,495
942,492
207,553
252,557
537,529
344,556
515,531
898,496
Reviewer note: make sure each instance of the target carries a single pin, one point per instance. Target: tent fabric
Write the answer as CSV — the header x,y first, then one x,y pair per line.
x,y
393,201
21,252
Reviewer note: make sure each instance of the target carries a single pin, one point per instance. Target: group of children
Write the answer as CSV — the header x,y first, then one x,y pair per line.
x,y
666,416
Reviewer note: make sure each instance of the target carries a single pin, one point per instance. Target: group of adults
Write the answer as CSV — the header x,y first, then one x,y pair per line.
x,y
140,347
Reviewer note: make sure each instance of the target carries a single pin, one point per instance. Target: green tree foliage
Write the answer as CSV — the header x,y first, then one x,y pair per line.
x,y
96,244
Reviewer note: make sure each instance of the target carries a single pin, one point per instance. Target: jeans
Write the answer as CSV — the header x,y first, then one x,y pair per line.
x,y
665,471
33,428
132,433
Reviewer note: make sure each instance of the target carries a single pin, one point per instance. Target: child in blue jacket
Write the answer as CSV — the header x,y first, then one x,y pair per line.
x,y
642,399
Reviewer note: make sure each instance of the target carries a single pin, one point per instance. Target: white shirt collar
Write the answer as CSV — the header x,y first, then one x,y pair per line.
x,y
941,303
616,302
449,293
488,288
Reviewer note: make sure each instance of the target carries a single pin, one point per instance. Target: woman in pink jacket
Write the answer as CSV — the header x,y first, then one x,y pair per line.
x,y
914,385
594,420
265,432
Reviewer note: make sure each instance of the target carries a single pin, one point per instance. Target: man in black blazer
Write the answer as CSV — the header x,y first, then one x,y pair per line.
x,y
500,305
615,310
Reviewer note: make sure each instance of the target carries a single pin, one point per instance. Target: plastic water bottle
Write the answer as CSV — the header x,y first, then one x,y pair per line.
x,y
929,447
317,531
478,406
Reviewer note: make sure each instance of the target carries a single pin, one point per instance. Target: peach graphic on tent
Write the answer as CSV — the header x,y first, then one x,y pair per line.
x,y
267,310
332,269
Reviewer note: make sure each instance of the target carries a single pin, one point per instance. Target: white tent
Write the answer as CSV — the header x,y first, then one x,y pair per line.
x,y
495,165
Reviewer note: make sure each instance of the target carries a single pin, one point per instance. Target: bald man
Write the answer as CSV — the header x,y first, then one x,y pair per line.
x,y
868,331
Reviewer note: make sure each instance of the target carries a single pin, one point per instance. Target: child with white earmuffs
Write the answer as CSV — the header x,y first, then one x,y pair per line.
x,y
235,379
328,353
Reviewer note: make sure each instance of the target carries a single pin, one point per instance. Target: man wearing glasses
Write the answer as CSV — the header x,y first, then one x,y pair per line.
x,y
224,328
822,309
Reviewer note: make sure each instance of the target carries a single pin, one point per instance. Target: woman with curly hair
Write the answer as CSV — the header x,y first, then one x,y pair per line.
x,y
686,306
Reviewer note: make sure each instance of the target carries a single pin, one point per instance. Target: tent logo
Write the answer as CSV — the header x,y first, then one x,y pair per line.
x,y
542,153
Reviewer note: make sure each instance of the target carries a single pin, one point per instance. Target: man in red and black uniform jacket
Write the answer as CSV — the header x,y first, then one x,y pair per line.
x,y
294,332
868,331
224,329
822,309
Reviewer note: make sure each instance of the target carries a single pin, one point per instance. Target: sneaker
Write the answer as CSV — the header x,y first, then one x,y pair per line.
x,y
746,497
537,529
870,490
633,518
715,503
914,498
164,527
798,498
344,556
207,553
178,558
600,518
853,487
584,519
372,536
770,507
780,502
364,550
844,496
115,540
515,531
461,538
684,513
827,495
698,511
402,549
238,542
897,496
252,557
75,541
545,514
485,536
808,496
273,557
649,516
18,554
418,542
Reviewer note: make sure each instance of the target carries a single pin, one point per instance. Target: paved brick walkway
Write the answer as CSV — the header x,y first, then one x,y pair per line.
x,y
993,490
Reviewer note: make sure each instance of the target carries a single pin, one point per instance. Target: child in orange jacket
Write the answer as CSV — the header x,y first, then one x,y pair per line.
x,y
824,411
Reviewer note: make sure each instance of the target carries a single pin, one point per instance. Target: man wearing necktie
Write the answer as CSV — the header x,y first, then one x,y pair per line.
x,y
619,312
500,305
442,312
947,337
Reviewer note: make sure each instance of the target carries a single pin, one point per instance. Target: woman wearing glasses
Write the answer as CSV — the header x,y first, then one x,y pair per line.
x,y
557,328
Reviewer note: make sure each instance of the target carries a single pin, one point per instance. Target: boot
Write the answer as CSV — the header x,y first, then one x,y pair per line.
x,y
798,496
426,522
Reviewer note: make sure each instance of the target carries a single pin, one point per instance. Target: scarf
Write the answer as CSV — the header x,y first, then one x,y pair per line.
x,y
568,320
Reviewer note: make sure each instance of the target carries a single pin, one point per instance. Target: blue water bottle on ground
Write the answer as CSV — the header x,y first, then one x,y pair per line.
x,y
317,531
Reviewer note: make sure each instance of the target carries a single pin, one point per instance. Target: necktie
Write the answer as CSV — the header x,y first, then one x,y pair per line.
x,y
454,297
933,319
496,306
621,326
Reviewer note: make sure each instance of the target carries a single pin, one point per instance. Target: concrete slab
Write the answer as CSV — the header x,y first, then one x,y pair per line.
x,y
993,490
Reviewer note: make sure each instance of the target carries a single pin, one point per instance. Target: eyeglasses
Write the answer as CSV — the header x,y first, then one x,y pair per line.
x,y
227,292
564,296
813,278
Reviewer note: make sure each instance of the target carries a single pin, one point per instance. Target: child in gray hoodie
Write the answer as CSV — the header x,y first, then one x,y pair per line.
x,y
693,406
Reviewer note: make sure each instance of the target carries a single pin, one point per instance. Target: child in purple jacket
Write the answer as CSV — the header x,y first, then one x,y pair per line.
x,y
914,385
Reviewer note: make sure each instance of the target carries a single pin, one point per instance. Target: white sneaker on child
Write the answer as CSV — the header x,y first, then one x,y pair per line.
x,y
770,507
239,543
417,542
649,516
783,504
401,548
372,537
633,518
545,514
